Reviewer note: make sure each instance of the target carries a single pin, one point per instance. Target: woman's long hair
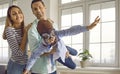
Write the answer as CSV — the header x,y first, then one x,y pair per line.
x,y
9,22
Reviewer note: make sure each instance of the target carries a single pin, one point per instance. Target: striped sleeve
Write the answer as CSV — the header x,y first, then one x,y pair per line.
x,y
12,41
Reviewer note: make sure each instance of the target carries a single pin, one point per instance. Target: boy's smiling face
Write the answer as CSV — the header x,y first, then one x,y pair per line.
x,y
49,38
46,30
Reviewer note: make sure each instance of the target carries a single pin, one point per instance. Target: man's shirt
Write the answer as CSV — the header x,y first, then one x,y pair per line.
x,y
43,64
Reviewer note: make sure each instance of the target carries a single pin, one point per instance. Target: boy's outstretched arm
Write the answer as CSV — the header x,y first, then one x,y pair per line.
x,y
96,21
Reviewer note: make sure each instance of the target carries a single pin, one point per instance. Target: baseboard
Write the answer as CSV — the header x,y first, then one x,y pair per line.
x,y
88,70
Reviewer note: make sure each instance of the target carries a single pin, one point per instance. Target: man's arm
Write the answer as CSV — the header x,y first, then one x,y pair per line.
x,y
34,56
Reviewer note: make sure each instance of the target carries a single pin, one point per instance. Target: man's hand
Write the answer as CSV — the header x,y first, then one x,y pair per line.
x,y
51,52
26,72
96,21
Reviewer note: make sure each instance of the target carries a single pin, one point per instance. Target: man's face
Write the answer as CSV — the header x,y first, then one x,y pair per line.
x,y
39,10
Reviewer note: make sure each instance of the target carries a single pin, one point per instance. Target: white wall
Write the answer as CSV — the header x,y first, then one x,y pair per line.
x,y
54,11
51,5
25,5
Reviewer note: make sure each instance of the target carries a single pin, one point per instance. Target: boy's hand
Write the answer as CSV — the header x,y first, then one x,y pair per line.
x,y
96,21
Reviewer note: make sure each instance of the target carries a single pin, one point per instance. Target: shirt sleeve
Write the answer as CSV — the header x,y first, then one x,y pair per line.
x,y
36,54
12,41
72,31
34,39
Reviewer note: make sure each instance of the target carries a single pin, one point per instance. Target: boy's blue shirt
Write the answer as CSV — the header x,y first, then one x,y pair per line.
x,y
34,39
37,40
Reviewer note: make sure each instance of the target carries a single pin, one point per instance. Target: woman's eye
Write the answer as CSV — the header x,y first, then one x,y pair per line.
x,y
14,14
20,12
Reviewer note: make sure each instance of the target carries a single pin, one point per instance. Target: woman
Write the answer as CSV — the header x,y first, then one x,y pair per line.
x,y
16,35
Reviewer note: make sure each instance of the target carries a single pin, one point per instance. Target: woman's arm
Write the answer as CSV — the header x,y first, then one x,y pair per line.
x,y
12,41
24,38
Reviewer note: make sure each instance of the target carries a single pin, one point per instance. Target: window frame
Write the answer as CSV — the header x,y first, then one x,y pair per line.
x,y
2,19
118,22
86,20
116,34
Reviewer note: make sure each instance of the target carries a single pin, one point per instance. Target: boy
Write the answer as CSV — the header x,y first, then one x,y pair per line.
x,y
51,41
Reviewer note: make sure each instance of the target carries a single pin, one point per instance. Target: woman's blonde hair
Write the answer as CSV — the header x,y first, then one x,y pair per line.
x,y
9,22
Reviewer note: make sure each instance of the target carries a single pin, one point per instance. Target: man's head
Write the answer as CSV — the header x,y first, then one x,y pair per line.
x,y
38,9
46,30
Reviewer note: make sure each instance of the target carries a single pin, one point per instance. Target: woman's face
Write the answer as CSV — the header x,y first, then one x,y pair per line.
x,y
16,15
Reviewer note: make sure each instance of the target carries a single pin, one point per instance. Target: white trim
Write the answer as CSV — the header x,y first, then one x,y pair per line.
x,y
88,70
117,31
118,12
86,22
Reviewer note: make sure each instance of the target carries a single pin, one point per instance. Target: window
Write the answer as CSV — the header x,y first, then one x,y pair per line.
x,y
74,16
3,10
3,46
102,40
4,49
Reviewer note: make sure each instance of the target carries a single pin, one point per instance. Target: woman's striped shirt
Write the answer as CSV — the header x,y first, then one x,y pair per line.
x,y
14,38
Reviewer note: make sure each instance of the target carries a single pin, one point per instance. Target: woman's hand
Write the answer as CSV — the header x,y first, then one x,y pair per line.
x,y
27,27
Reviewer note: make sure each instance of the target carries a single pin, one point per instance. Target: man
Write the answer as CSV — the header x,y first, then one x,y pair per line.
x,y
43,64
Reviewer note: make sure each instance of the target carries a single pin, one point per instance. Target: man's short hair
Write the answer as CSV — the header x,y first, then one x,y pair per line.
x,y
33,1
